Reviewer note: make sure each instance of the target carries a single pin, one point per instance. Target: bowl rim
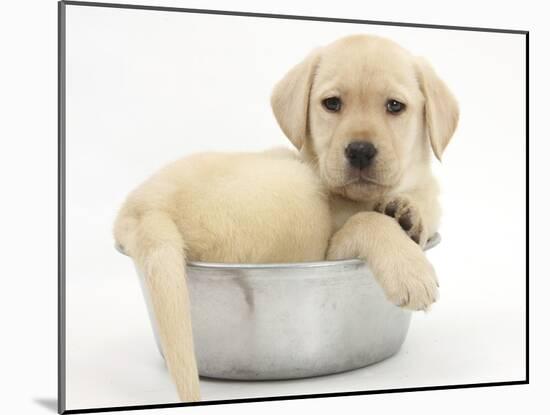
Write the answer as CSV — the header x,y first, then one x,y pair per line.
x,y
432,242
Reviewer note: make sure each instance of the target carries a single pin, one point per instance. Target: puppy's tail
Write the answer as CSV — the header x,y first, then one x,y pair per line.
x,y
155,243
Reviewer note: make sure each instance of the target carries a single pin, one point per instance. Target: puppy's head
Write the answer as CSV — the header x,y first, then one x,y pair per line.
x,y
365,111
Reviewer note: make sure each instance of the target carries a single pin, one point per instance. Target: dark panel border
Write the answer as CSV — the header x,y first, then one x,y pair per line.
x,y
62,204
292,397
61,124
292,17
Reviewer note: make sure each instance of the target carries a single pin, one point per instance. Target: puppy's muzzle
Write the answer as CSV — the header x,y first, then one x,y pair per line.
x,y
360,154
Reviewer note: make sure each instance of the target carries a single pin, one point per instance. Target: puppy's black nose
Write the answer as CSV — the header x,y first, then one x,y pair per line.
x,y
360,153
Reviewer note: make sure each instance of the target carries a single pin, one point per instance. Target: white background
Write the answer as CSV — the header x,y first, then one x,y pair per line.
x,y
29,355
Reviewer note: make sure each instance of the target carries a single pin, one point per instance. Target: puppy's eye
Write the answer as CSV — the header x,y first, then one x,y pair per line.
x,y
394,107
333,104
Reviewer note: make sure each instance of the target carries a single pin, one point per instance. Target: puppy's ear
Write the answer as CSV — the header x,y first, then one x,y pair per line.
x,y
440,108
290,99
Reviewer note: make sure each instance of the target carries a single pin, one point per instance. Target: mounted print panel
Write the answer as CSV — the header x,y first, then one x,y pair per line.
x,y
298,233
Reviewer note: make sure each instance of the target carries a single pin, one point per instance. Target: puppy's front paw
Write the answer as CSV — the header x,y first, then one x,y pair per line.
x,y
407,215
410,283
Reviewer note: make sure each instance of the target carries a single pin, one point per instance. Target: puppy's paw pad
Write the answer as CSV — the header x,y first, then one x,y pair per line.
x,y
392,207
406,214
406,220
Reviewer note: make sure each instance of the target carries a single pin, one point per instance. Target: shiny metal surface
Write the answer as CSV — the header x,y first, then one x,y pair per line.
x,y
283,321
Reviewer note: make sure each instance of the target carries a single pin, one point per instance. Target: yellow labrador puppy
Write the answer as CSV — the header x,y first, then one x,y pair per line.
x,y
363,112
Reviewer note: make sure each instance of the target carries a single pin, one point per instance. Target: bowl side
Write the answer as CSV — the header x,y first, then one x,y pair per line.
x,y
283,321
306,322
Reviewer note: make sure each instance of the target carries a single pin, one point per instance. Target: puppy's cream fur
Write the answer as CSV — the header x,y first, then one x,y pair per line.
x,y
278,206
218,207
365,72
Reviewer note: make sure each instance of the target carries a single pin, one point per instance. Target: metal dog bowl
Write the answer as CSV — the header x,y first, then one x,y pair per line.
x,y
283,321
